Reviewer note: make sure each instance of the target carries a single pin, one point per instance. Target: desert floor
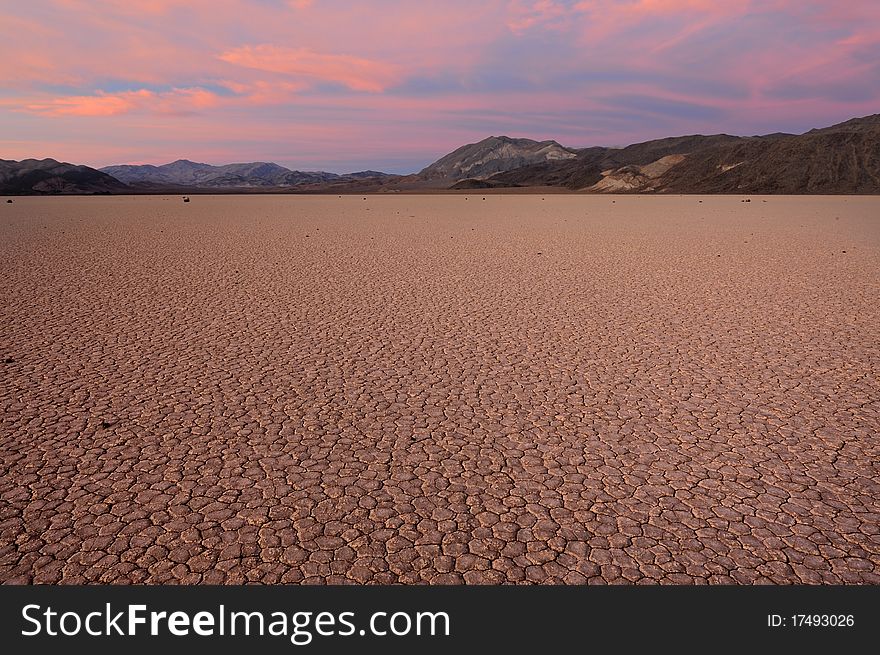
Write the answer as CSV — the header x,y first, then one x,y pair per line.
x,y
440,389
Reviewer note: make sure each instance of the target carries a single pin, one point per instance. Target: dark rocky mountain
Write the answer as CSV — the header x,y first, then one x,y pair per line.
x,y
843,158
585,169
820,161
572,174
46,176
863,124
493,155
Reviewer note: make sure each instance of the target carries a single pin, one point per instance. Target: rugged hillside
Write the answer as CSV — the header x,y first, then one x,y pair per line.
x,y
572,174
633,177
863,124
843,158
493,155
590,164
640,154
44,176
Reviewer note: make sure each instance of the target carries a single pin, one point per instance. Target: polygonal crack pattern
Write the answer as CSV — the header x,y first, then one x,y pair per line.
x,y
421,389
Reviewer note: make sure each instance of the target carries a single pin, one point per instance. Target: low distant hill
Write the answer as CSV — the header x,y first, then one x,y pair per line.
x,y
843,158
48,176
187,174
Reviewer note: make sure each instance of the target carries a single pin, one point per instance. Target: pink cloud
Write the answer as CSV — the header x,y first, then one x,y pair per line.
x,y
357,73
131,7
602,18
263,92
524,16
176,101
108,105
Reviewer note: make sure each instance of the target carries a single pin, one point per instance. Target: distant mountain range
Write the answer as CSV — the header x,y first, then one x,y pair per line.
x,y
843,158
185,173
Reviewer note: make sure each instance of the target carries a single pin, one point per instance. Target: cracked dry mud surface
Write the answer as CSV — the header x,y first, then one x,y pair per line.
x,y
440,389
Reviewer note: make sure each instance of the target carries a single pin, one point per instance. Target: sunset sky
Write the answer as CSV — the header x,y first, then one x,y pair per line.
x,y
393,85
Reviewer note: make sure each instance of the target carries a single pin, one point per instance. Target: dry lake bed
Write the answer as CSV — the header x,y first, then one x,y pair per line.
x,y
440,389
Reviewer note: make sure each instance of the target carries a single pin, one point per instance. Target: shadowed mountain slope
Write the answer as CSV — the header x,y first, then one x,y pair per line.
x,y
30,176
843,158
